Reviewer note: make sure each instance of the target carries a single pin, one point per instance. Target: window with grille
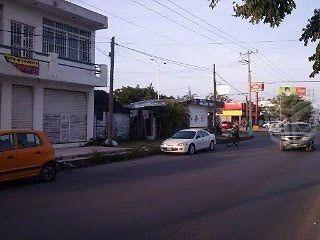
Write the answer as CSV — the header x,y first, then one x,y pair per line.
x,y
22,37
66,41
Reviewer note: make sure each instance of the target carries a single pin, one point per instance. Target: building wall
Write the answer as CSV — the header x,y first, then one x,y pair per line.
x,y
38,87
54,73
32,16
121,126
51,67
198,116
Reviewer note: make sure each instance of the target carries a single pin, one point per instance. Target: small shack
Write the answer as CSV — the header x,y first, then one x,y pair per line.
x,y
120,117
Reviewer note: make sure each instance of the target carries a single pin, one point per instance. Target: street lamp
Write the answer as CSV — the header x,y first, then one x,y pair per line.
x,y
159,73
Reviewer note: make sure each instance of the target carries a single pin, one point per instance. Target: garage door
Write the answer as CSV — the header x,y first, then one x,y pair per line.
x,y
65,115
22,107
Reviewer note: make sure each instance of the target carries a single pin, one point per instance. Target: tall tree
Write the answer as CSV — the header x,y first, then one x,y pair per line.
x,y
273,12
127,95
293,107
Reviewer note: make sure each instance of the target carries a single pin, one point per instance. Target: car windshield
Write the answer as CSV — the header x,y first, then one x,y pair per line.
x,y
297,128
184,135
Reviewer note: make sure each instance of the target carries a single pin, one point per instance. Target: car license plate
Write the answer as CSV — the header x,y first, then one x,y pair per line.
x,y
169,149
294,145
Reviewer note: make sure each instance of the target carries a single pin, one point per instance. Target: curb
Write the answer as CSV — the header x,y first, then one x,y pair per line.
x,y
90,160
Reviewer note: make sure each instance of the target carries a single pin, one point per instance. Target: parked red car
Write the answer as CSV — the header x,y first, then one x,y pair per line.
x,y
225,125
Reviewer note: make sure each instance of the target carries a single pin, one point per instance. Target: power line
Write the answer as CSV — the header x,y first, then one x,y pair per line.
x,y
181,25
201,68
145,28
234,88
237,41
209,24
199,44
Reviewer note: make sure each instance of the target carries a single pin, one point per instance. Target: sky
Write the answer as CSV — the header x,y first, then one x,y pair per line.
x,y
202,45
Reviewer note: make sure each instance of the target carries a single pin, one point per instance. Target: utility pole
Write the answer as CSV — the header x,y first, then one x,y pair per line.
x,y
257,110
110,116
248,61
214,100
247,112
280,108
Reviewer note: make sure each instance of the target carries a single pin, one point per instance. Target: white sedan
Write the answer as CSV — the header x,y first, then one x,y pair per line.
x,y
189,141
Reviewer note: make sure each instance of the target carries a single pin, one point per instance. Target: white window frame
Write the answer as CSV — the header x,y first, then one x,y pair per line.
x,y
68,42
22,39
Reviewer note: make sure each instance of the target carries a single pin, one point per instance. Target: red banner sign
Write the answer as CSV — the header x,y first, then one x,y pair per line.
x,y
301,91
29,66
257,86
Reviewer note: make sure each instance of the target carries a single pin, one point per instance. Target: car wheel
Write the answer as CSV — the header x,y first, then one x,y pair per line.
x,y
211,147
48,172
282,148
310,147
191,149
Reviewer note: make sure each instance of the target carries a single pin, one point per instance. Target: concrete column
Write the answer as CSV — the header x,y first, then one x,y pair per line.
x,y
6,37
6,105
38,108
90,113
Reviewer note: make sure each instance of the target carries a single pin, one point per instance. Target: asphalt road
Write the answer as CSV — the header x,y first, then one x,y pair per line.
x,y
254,192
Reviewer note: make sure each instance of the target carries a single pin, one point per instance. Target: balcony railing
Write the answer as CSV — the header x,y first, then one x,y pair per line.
x,y
31,54
91,73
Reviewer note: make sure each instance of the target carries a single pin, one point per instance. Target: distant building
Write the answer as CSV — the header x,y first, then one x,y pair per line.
x,y
315,117
148,118
101,113
47,68
237,112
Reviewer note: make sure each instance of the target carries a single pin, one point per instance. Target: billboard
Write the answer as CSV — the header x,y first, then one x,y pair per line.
x,y
300,91
257,86
223,89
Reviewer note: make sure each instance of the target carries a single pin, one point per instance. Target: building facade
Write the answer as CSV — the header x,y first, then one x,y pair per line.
x,y
47,68
121,117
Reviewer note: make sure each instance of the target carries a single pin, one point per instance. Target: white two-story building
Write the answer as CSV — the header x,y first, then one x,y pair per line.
x,y
47,68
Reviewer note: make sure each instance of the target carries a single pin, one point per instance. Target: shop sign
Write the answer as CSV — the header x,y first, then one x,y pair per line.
x,y
29,66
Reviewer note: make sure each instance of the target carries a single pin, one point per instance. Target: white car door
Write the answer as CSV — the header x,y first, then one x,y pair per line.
x,y
206,139
199,141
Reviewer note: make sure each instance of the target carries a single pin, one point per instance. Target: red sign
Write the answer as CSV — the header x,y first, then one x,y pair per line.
x,y
29,66
233,106
301,91
257,86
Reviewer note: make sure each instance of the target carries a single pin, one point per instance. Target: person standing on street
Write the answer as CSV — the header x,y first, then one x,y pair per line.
x,y
235,133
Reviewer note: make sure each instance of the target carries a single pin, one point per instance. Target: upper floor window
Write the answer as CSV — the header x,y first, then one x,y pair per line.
x,y
22,37
66,41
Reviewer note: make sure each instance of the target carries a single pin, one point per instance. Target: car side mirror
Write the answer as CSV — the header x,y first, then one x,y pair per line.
x,y
198,137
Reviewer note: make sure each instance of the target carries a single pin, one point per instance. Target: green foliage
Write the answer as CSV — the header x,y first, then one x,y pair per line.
x,y
174,117
220,98
273,12
311,33
127,95
292,107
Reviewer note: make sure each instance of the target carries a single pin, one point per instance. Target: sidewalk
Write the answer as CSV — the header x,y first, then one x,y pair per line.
x,y
94,155
73,153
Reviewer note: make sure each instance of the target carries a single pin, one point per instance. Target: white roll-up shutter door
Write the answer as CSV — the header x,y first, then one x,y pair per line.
x,y
65,115
22,107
